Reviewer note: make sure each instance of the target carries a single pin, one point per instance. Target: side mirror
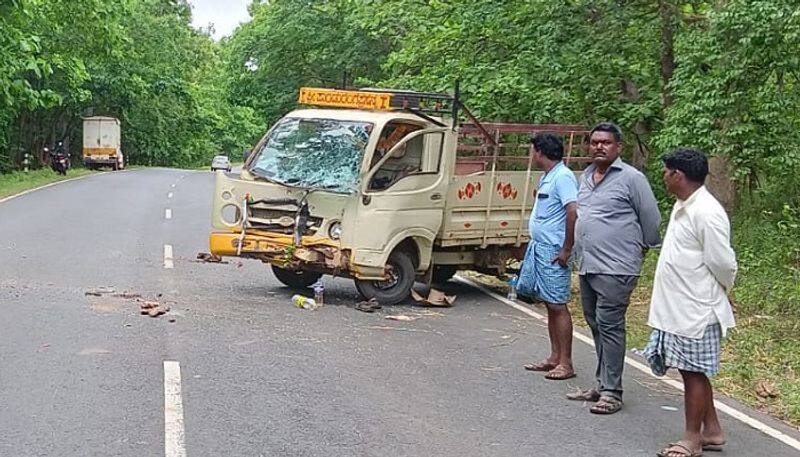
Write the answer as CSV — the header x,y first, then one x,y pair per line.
x,y
246,154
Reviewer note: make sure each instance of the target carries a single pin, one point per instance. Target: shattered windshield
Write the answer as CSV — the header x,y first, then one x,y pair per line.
x,y
314,153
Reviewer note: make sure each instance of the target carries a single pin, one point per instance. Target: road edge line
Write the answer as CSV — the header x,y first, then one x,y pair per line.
x,y
724,407
25,192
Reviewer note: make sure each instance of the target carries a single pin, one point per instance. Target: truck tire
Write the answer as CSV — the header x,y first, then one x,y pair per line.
x,y
395,290
443,273
295,279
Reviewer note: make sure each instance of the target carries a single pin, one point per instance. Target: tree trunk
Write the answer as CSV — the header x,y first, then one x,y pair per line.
x,y
667,11
641,153
720,183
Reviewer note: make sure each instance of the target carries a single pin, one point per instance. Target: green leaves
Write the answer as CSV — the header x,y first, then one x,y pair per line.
x,y
138,60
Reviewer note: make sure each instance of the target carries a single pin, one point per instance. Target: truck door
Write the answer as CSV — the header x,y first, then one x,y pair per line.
x,y
402,196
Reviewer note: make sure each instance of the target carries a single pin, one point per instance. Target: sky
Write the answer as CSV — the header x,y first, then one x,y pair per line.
x,y
224,14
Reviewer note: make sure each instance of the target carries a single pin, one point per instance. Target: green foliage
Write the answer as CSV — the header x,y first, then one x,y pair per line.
x,y
292,43
736,89
138,60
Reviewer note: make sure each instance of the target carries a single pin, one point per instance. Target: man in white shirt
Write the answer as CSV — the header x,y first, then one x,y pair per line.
x,y
690,311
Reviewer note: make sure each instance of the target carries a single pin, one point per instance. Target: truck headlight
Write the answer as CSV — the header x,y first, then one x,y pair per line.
x,y
231,214
335,230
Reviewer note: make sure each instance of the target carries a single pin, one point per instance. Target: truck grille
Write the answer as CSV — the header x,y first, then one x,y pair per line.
x,y
280,221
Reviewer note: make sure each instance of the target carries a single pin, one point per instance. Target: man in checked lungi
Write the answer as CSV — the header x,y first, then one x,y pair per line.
x,y
546,274
690,310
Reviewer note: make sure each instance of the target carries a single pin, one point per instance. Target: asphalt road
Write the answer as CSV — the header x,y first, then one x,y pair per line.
x,y
84,375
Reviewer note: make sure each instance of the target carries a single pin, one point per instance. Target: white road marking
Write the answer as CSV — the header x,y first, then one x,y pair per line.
x,y
725,408
173,185
174,437
168,262
168,214
169,195
11,197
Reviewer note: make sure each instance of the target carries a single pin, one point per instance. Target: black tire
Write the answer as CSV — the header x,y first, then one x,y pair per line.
x,y
443,273
295,279
396,290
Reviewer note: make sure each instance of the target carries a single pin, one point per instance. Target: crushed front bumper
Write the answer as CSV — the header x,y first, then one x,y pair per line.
x,y
314,253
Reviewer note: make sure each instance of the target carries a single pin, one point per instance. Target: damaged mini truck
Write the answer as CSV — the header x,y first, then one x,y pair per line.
x,y
385,187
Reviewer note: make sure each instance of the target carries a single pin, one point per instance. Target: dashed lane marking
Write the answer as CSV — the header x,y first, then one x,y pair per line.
x,y
174,435
168,262
168,214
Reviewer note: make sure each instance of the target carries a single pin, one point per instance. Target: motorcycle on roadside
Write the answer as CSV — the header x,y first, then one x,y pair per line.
x,y
59,159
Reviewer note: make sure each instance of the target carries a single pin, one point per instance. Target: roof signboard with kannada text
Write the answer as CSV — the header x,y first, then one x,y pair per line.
x,y
345,98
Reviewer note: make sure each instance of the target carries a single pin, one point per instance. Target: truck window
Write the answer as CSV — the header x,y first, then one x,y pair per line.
x,y
421,154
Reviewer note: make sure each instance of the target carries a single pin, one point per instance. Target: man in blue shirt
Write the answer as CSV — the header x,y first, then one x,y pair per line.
x,y
546,274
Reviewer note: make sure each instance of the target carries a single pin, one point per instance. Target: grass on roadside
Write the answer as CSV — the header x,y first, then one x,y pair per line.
x,y
18,181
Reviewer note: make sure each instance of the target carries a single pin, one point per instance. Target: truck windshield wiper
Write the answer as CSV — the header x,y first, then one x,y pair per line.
x,y
254,171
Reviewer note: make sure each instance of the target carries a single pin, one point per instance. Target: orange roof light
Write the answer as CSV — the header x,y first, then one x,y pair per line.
x,y
345,98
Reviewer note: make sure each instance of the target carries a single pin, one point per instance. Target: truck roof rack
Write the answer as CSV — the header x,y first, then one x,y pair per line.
x,y
422,104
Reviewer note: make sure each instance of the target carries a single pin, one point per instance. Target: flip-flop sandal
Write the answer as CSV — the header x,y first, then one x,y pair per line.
x,y
540,366
606,405
715,447
585,395
678,448
560,373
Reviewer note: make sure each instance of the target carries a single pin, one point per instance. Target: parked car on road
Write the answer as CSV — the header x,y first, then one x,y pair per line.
x,y
221,163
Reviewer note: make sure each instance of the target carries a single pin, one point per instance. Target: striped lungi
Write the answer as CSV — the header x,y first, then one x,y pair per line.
x,y
667,350
541,278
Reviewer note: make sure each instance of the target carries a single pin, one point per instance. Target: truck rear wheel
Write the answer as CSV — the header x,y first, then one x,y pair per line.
x,y
395,289
443,273
295,279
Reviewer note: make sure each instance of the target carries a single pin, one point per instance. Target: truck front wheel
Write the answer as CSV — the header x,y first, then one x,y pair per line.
x,y
397,287
295,279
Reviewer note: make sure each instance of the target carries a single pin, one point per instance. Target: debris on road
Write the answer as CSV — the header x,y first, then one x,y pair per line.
x,y
99,291
210,258
368,306
401,317
435,298
128,295
669,408
152,308
303,302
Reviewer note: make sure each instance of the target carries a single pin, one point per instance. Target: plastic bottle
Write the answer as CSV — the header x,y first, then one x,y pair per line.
x,y
512,288
304,302
319,292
